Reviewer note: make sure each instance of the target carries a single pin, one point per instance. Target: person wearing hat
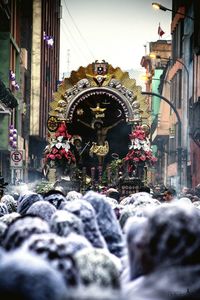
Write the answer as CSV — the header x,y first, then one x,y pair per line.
x,y
113,193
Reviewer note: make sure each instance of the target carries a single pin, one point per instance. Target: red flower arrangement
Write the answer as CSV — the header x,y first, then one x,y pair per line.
x,y
140,150
58,153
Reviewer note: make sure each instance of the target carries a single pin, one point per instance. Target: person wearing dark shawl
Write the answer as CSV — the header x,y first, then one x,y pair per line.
x,y
27,277
107,222
169,255
26,200
84,210
42,209
21,229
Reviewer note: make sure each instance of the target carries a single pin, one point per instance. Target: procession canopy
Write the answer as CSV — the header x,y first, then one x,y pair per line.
x,y
99,85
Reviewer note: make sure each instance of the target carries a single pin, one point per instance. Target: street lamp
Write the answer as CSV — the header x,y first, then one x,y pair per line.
x,y
185,109
154,56
157,6
179,149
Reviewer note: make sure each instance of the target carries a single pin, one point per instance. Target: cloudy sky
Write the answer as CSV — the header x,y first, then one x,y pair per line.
x,y
114,30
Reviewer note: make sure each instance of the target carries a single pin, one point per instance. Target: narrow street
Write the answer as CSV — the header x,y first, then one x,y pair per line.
x,y
99,150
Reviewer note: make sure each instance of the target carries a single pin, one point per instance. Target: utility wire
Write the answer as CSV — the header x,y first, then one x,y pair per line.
x,y
76,46
84,40
66,29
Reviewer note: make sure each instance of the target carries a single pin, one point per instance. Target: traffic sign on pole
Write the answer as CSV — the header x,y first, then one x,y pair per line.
x,y
16,158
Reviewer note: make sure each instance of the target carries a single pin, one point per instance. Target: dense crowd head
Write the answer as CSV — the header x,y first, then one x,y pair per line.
x,y
99,246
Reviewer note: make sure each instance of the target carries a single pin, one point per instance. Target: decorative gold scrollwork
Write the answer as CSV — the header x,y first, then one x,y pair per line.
x,y
100,150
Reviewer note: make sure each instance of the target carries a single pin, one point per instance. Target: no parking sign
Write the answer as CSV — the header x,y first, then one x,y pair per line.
x,y
16,158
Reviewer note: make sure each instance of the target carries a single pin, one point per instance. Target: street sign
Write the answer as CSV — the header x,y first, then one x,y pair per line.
x,y
16,158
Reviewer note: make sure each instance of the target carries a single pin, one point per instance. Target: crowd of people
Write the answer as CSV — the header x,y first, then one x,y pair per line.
x,y
94,246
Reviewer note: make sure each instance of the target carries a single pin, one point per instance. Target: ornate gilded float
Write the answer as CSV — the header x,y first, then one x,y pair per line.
x,y
101,104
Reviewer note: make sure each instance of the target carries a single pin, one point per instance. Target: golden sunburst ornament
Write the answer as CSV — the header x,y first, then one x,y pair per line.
x,y
82,84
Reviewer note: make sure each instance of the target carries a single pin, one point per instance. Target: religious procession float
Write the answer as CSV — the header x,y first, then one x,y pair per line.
x,y
98,131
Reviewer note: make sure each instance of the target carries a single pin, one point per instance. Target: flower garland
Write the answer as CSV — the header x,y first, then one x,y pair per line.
x,y
13,136
13,81
140,150
58,153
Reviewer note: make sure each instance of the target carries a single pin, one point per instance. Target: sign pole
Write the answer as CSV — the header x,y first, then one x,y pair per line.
x,y
16,163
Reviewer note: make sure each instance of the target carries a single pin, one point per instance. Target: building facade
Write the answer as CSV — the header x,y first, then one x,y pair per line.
x,y
184,75
11,91
180,152
45,76
29,63
159,110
